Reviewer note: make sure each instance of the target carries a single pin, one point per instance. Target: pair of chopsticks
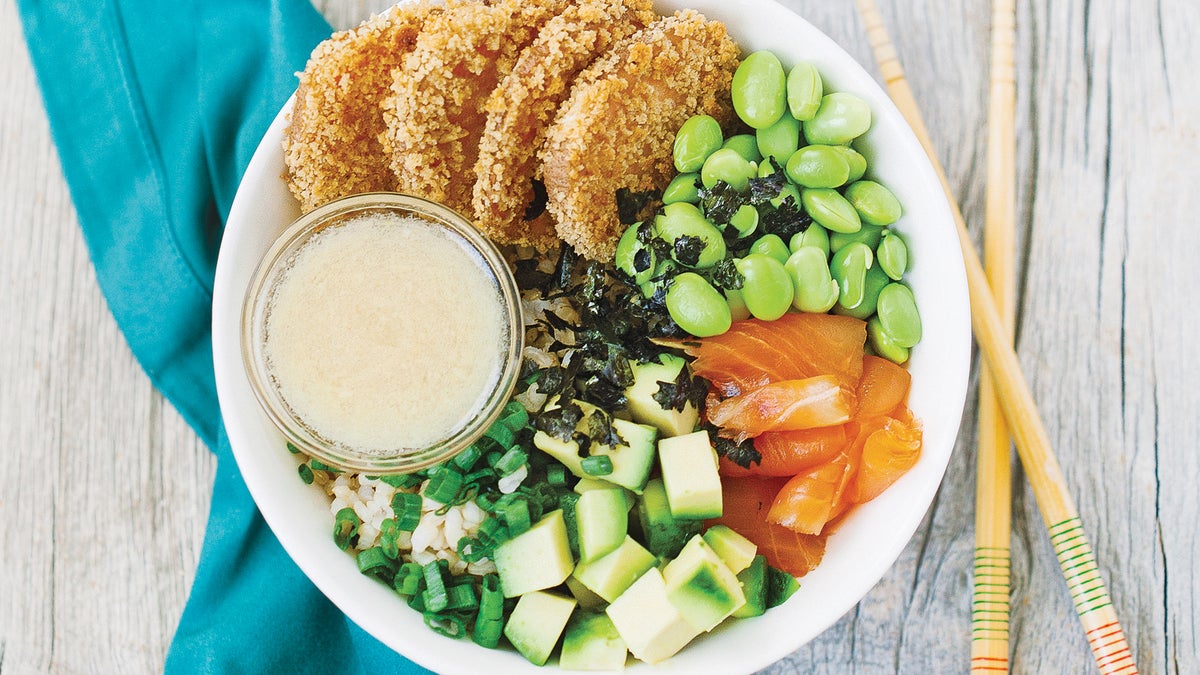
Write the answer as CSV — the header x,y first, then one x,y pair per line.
x,y
992,320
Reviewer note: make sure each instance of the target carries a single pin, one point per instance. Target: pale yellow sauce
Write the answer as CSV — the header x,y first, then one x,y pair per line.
x,y
385,333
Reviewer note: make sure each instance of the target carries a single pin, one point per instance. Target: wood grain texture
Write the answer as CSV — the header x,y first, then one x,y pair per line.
x,y
1108,149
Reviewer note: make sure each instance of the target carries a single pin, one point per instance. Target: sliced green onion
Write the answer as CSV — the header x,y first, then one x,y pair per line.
x,y
467,458
516,516
597,465
501,434
306,474
514,415
443,486
435,596
407,507
408,579
293,449
389,535
374,562
318,465
446,624
417,601
462,596
401,480
556,474
511,460
345,527
491,599
487,632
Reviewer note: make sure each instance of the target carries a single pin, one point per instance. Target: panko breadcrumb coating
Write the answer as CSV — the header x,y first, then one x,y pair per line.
x,y
331,145
523,105
435,114
618,126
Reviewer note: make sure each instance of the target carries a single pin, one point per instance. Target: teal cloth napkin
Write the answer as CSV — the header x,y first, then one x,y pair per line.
x,y
156,108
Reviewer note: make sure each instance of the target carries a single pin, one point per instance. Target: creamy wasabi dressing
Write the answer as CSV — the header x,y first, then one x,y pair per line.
x,y
385,333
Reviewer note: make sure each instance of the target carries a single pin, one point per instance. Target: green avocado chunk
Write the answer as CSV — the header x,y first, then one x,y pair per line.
x,y
536,624
592,643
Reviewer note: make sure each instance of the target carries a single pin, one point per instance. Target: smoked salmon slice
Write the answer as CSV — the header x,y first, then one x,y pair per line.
x,y
787,453
745,505
786,405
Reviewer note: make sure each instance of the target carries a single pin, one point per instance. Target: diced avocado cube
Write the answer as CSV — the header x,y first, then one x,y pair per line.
x,y
663,533
780,586
652,627
754,586
586,484
631,461
689,470
603,522
585,596
736,551
592,643
535,559
536,624
646,410
703,589
610,575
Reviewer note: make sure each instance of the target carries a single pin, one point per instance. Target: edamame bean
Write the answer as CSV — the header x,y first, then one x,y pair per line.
x,y
779,140
829,208
745,145
814,290
892,254
663,268
633,257
817,166
727,165
883,344
873,283
681,220
858,163
788,190
759,90
767,290
697,138
848,267
897,312
804,90
766,168
869,235
841,118
737,305
876,205
772,245
815,236
744,220
682,189
697,307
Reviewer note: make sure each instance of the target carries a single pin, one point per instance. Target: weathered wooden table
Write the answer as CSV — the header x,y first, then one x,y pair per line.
x,y
105,491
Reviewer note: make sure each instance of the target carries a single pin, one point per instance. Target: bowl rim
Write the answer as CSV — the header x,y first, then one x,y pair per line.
x,y
756,24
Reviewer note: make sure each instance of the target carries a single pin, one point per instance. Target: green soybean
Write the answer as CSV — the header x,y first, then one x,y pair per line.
x,y
814,290
744,220
772,245
897,312
745,145
682,188
630,253
697,138
883,344
766,168
892,254
729,166
873,283
768,289
815,236
696,306
737,305
779,140
759,90
858,163
841,118
817,166
804,91
829,208
875,203
849,269
869,235
682,219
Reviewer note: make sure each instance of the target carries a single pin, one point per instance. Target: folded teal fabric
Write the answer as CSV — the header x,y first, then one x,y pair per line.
x,y
156,108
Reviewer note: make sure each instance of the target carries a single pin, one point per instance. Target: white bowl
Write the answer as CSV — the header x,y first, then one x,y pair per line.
x,y
858,554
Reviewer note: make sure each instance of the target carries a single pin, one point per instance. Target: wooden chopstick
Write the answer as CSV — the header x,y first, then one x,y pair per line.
x,y
993,478
1075,557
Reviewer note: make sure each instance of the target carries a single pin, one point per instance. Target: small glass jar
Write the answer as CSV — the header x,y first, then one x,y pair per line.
x,y
278,262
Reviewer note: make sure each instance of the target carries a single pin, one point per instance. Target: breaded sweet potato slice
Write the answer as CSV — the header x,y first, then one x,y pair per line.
x,y
435,113
617,127
331,146
522,107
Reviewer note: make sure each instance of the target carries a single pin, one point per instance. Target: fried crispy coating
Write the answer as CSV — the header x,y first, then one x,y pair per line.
x,y
523,105
331,145
617,128
435,115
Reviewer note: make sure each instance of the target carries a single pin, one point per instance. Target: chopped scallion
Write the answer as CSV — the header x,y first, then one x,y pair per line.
x,y
345,527
511,460
556,474
597,465
443,486
407,507
408,579
435,596
389,538
491,601
306,474
462,596
374,562
487,632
